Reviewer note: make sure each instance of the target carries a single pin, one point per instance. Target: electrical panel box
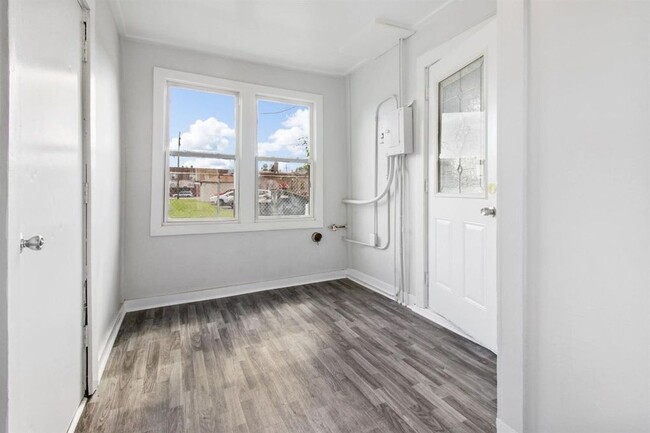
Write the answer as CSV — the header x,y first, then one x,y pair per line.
x,y
396,131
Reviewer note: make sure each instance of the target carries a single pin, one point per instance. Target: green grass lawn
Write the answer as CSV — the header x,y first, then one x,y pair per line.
x,y
194,208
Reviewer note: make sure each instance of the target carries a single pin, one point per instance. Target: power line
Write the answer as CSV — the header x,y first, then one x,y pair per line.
x,y
281,111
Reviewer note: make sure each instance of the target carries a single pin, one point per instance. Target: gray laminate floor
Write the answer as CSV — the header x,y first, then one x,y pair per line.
x,y
327,357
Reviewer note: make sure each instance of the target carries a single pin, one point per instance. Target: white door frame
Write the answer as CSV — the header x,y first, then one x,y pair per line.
x,y
4,157
92,368
86,122
512,54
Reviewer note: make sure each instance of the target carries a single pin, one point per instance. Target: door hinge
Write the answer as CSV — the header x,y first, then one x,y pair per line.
x,y
85,42
85,336
426,186
426,279
85,192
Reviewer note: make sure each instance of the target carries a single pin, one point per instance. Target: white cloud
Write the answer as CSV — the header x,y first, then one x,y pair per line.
x,y
289,138
205,135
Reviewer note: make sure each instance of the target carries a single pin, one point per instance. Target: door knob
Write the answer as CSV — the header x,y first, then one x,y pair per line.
x,y
489,211
35,243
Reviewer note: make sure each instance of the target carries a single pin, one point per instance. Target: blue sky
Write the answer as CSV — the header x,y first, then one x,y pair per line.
x,y
206,122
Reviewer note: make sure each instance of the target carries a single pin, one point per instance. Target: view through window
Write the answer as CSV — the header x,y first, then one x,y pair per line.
x,y
283,159
234,156
202,154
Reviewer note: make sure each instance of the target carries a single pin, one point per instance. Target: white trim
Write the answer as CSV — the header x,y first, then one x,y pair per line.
x,y
105,351
372,283
502,427
245,171
77,416
227,291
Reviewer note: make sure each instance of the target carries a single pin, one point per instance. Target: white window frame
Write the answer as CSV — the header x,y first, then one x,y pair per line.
x,y
246,173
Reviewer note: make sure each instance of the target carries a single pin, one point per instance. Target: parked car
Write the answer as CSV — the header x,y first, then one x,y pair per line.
x,y
263,195
225,199
185,194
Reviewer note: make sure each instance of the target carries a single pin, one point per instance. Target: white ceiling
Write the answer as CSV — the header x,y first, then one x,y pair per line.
x,y
330,36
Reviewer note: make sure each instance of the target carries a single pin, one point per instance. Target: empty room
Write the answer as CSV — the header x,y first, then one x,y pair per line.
x,y
324,216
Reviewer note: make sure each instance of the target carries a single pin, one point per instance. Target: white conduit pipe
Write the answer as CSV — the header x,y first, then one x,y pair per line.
x,y
375,215
391,175
401,280
391,168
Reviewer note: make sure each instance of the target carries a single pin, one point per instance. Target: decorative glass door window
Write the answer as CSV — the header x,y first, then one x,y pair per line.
x,y
462,132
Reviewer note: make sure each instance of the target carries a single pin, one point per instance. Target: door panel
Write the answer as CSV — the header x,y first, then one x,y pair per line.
x,y
474,263
443,253
46,350
462,171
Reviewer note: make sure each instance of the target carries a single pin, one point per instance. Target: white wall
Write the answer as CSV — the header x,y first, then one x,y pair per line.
x,y
173,264
369,85
588,207
106,183
4,141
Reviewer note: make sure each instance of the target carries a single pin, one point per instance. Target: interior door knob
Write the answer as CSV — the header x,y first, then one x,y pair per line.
x,y
35,243
489,211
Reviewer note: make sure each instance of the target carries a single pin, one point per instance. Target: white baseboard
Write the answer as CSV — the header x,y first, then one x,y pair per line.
x,y
502,427
77,416
105,351
372,283
224,292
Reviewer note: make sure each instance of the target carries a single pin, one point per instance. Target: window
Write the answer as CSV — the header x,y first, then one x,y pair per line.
x,y
283,162
461,140
202,154
232,156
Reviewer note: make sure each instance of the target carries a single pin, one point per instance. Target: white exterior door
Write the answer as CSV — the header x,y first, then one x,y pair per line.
x,y
46,349
462,179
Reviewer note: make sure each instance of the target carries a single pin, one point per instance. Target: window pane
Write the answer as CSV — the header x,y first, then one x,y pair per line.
x,y
202,121
201,188
284,189
461,147
283,129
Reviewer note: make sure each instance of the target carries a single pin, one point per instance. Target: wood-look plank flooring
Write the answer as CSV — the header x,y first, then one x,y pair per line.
x,y
327,357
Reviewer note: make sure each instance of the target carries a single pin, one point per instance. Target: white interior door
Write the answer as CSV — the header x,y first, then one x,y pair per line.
x,y
46,348
462,170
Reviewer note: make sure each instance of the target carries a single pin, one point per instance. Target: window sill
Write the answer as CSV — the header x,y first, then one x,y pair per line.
x,y
211,227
